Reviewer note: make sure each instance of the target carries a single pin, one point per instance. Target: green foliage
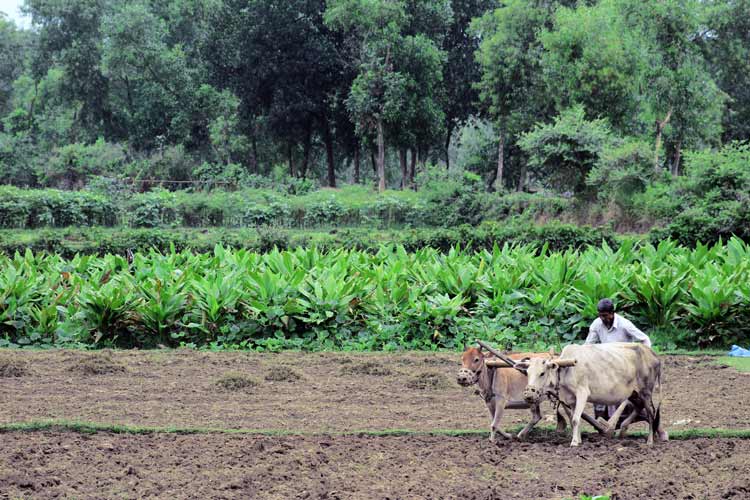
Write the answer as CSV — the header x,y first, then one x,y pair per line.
x,y
593,58
624,168
446,200
31,209
728,55
98,241
73,166
386,299
710,202
561,154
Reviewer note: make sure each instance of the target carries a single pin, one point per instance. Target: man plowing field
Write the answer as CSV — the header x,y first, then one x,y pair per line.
x,y
607,328
615,369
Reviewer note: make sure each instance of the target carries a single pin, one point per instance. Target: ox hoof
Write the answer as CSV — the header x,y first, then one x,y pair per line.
x,y
574,444
663,436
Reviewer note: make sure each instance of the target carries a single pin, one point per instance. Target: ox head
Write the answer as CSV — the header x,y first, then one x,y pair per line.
x,y
542,377
472,362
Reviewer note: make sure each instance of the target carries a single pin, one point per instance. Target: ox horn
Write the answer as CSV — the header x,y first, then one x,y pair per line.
x,y
564,363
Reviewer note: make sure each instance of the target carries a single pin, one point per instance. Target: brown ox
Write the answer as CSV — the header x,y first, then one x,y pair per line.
x,y
501,388
610,374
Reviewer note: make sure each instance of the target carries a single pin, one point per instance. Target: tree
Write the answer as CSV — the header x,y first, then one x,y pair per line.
x,y
461,69
69,38
285,65
15,45
726,47
419,123
594,58
681,97
152,85
512,89
377,93
562,154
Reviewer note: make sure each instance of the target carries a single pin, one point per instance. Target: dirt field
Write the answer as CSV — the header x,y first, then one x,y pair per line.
x,y
328,393
44,465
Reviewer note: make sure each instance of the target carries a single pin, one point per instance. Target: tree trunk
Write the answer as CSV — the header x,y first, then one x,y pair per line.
x,y
381,157
677,158
356,165
659,130
254,156
413,168
447,148
374,162
306,152
292,171
500,163
404,172
522,179
329,154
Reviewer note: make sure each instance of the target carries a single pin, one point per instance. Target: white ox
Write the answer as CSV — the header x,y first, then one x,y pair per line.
x,y
610,374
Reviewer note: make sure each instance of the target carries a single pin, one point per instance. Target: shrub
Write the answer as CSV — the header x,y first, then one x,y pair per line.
x,y
22,209
561,154
624,168
711,201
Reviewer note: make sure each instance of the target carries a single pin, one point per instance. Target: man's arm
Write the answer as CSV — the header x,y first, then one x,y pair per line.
x,y
593,337
636,334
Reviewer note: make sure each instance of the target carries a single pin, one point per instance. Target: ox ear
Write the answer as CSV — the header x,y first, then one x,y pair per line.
x,y
552,365
522,365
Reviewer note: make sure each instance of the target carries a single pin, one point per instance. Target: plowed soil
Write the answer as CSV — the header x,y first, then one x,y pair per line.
x,y
322,395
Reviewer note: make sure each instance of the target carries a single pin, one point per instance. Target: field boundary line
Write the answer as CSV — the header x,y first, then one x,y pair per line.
x,y
94,427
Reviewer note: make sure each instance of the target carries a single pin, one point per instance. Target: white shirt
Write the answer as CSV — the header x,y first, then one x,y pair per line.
x,y
622,331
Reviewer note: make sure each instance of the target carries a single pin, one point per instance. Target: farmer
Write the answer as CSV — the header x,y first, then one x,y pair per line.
x,y
611,327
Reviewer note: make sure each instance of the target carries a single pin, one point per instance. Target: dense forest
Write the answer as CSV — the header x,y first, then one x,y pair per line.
x,y
635,107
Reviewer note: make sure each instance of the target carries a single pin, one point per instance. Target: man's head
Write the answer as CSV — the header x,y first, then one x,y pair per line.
x,y
606,312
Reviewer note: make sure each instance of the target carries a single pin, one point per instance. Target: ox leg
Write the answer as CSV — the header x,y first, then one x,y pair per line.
x,y
536,416
495,424
561,424
660,432
643,402
569,414
653,418
491,409
648,406
581,397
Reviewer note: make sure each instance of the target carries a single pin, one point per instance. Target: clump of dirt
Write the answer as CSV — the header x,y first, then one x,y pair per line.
x,y
282,374
10,367
427,381
96,364
236,382
366,368
426,361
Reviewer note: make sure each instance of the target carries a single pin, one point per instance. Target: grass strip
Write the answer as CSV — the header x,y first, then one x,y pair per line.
x,y
93,428
739,364
693,352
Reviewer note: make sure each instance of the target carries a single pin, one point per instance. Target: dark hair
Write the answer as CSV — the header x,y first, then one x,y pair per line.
x,y
605,305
